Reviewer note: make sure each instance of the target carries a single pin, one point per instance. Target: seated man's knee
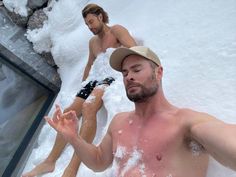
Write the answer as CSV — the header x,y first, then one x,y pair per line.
x,y
67,109
88,109
77,111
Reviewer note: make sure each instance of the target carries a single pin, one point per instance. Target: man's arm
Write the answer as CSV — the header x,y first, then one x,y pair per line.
x,y
91,59
98,158
122,34
217,137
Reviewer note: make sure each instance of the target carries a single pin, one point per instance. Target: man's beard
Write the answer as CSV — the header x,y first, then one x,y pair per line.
x,y
98,30
145,92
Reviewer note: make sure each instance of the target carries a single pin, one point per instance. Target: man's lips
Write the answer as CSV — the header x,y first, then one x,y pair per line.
x,y
132,86
93,30
129,86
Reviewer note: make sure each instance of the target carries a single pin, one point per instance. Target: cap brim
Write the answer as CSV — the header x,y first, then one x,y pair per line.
x,y
118,56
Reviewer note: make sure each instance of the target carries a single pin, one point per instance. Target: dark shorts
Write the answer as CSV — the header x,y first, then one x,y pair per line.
x,y
88,88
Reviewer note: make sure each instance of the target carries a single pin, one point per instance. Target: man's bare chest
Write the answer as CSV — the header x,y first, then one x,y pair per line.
x,y
158,146
101,45
152,140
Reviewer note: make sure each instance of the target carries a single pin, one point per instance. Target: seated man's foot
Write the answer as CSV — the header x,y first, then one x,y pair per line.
x,y
42,168
70,172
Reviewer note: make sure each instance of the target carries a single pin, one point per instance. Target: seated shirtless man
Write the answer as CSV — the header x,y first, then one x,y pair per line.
x,y
104,37
156,139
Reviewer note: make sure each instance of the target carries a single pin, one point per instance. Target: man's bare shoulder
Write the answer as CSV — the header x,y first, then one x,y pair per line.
x,y
119,118
93,40
193,114
186,112
94,46
116,29
122,115
190,117
117,26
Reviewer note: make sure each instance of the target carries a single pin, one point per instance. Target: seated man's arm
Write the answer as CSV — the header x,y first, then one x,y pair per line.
x,y
97,158
123,35
91,59
217,137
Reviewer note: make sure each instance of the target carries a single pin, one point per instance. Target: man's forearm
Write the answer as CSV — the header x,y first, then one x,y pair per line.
x,y
88,153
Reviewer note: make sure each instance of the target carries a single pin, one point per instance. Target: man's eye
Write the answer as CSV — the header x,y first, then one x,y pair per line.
x,y
137,70
125,74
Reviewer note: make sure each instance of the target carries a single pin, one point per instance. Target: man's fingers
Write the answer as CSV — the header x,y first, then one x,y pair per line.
x,y
58,109
57,106
54,118
69,115
74,116
50,122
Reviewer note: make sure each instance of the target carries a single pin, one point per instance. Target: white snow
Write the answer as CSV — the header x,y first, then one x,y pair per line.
x,y
17,6
195,40
134,160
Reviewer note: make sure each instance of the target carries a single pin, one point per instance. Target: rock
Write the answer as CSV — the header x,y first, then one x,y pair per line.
x,y
18,19
34,4
49,59
36,19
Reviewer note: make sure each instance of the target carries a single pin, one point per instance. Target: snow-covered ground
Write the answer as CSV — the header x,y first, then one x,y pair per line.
x,y
195,40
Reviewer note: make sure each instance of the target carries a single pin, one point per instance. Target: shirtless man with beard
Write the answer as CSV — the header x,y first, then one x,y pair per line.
x,y
104,37
156,139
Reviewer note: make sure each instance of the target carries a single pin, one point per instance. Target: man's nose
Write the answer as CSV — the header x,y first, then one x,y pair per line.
x,y
130,77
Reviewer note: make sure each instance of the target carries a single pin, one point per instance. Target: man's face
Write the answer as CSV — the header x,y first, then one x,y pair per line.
x,y
94,23
139,78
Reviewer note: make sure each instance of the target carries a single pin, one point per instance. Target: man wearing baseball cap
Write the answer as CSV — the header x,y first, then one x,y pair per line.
x,y
156,138
121,53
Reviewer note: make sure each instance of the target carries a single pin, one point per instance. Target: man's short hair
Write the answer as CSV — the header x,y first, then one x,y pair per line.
x,y
96,10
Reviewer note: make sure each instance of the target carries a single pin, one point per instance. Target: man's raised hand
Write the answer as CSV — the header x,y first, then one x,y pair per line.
x,y
64,123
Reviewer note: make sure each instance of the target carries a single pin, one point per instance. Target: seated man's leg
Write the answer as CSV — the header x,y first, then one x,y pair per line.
x,y
89,124
48,165
89,112
90,108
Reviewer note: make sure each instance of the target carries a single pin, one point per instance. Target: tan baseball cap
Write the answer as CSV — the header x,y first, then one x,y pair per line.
x,y
121,53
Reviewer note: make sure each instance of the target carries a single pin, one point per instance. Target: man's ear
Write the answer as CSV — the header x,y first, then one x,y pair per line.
x,y
100,17
159,72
